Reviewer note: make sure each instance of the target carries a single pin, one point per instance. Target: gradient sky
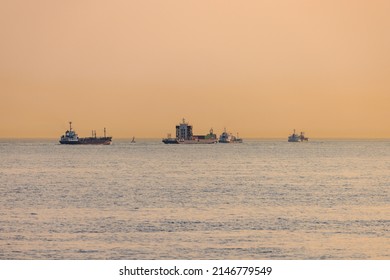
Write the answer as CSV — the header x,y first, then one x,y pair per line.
x,y
260,68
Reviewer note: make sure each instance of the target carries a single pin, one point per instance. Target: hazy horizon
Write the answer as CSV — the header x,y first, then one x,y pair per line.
x,y
139,139
259,68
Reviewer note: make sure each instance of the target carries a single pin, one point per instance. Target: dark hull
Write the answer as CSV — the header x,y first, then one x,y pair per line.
x,y
230,142
194,141
170,141
89,141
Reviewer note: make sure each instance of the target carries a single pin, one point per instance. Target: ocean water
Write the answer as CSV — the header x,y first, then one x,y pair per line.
x,y
261,199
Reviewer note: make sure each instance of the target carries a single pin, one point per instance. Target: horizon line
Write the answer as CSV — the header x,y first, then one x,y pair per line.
x,y
249,138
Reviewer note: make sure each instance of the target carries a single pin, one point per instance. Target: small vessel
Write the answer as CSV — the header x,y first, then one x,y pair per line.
x,y
297,138
170,140
226,137
133,140
71,137
184,135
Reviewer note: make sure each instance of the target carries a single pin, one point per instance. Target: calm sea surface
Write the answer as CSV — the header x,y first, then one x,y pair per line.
x,y
256,200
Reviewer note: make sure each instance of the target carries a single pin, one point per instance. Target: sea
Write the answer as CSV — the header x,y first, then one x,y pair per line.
x,y
262,199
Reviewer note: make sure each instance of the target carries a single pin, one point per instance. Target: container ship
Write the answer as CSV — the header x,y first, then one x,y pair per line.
x,y
184,135
297,138
71,137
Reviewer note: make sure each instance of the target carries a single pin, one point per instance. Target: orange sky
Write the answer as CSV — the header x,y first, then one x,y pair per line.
x,y
260,68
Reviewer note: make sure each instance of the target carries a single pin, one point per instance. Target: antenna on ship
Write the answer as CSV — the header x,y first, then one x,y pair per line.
x,y
70,126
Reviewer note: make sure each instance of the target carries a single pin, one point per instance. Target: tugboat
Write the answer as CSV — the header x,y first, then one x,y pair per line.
x,y
71,137
184,136
170,140
297,138
226,137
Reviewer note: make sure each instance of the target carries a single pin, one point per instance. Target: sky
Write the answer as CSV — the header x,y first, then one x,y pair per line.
x,y
257,67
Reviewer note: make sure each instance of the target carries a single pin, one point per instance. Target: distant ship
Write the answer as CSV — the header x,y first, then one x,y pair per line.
x,y
184,136
133,140
226,137
297,138
71,137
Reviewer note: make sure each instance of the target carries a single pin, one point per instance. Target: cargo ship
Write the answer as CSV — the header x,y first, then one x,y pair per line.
x,y
184,135
297,138
227,137
72,138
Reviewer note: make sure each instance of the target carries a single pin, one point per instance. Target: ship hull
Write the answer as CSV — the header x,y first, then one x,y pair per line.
x,y
88,141
69,142
199,141
194,141
170,141
297,139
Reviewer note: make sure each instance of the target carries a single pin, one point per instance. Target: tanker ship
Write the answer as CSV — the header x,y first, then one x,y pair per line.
x,y
71,137
184,136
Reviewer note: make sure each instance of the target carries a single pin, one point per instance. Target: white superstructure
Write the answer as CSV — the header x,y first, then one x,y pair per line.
x,y
70,135
184,131
227,137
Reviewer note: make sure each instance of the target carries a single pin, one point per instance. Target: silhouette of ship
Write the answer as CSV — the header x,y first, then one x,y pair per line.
x,y
71,138
184,136
227,137
297,138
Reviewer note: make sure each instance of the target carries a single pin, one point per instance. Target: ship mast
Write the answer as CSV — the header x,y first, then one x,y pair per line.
x,y
104,132
70,126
